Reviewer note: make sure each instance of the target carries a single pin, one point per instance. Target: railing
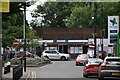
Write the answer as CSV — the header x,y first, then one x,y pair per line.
x,y
17,72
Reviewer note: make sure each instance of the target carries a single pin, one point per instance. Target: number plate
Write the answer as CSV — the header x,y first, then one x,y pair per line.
x,y
96,67
115,73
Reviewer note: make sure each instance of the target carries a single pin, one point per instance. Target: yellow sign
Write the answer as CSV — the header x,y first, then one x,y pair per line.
x,y
4,6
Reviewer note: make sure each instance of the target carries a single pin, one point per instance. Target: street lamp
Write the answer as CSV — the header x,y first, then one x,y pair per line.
x,y
94,36
25,36
25,5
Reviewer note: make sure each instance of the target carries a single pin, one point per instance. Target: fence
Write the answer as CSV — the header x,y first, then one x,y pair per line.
x,y
17,72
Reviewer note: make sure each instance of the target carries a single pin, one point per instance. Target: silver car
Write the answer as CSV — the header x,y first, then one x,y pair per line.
x,y
54,54
110,68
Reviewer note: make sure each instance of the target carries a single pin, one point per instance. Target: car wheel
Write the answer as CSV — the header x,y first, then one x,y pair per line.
x,y
63,58
77,64
86,76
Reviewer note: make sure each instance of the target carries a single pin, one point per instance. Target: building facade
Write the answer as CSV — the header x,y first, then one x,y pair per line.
x,y
68,40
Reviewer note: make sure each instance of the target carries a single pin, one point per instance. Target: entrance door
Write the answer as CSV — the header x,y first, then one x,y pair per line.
x,y
63,48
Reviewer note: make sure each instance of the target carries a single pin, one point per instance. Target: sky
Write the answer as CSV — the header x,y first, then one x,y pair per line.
x,y
31,8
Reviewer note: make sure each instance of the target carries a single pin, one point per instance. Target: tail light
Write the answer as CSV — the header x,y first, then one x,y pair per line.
x,y
87,67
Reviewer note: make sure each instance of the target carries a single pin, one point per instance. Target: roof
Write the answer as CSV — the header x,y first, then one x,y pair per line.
x,y
69,33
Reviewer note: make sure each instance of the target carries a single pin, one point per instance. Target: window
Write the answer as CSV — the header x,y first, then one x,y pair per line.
x,y
54,52
76,50
48,52
113,61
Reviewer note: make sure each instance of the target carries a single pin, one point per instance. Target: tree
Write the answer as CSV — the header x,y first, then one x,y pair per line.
x,y
71,14
13,25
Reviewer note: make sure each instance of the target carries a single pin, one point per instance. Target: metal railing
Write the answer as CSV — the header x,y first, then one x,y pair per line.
x,y
17,72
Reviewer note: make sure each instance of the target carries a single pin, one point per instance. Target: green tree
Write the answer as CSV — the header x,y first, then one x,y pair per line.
x,y
12,24
71,14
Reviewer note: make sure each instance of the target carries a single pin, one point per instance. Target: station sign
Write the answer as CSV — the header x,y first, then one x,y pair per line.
x,y
113,29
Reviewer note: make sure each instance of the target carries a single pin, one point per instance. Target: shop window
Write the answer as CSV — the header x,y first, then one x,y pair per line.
x,y
76,50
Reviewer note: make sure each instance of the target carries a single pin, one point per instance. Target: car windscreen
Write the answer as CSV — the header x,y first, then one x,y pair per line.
x,y
113,61
97,62
84,57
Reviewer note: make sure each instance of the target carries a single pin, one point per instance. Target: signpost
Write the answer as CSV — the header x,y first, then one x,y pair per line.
x,y
4,7
117,46
113,32
113,29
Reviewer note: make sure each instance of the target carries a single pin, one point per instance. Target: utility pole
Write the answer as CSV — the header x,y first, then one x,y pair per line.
x,y
25,36
95,7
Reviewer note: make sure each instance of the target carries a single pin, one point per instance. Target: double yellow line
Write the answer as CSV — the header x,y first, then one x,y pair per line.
x,y
33,75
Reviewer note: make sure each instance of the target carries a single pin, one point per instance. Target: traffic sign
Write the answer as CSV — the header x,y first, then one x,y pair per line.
x,y
91,46
16,43
5,6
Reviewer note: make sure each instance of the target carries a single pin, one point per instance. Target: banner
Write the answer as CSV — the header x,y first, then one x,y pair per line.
x,y
4,6
113,29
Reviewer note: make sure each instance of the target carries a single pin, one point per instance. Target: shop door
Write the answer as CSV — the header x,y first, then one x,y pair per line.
x,y
63,48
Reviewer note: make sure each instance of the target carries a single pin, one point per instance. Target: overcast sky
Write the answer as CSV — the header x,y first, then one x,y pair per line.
x,y
31,8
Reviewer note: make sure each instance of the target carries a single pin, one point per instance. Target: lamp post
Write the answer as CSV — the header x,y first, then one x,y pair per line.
x,y
95,7
26,4
25,36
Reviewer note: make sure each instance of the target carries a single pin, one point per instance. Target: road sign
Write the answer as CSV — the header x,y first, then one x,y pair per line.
x,y
113,29
91,46
4,6
16,43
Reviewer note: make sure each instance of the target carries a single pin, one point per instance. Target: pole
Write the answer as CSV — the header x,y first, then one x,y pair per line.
x,y
25,37
0,46
95,6
117,45
102,44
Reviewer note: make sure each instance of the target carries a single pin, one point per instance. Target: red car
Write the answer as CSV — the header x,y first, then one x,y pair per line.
x,y
81,59
22,54
92,66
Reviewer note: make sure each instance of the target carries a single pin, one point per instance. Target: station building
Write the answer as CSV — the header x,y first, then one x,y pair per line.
x,y
73,41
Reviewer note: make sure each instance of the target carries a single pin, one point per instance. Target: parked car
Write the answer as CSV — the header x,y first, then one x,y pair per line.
x,y
110,68
54,54
92,66
81,59
22,54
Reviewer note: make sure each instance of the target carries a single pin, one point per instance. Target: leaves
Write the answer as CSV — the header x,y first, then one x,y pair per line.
x,y
12,25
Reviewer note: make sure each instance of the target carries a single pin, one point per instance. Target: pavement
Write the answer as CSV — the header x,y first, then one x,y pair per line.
x,y
28,75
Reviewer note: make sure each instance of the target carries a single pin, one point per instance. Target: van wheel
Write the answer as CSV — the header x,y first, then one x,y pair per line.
x,y
63,58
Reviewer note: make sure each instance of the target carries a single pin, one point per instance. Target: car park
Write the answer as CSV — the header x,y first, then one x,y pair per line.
x,y
55,55
92,66
22,54
81,59
110,68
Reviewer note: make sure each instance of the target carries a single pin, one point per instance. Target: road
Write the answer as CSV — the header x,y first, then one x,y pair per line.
x,y
60,70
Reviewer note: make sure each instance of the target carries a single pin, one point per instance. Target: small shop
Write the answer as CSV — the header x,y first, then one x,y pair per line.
x,y
73,47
